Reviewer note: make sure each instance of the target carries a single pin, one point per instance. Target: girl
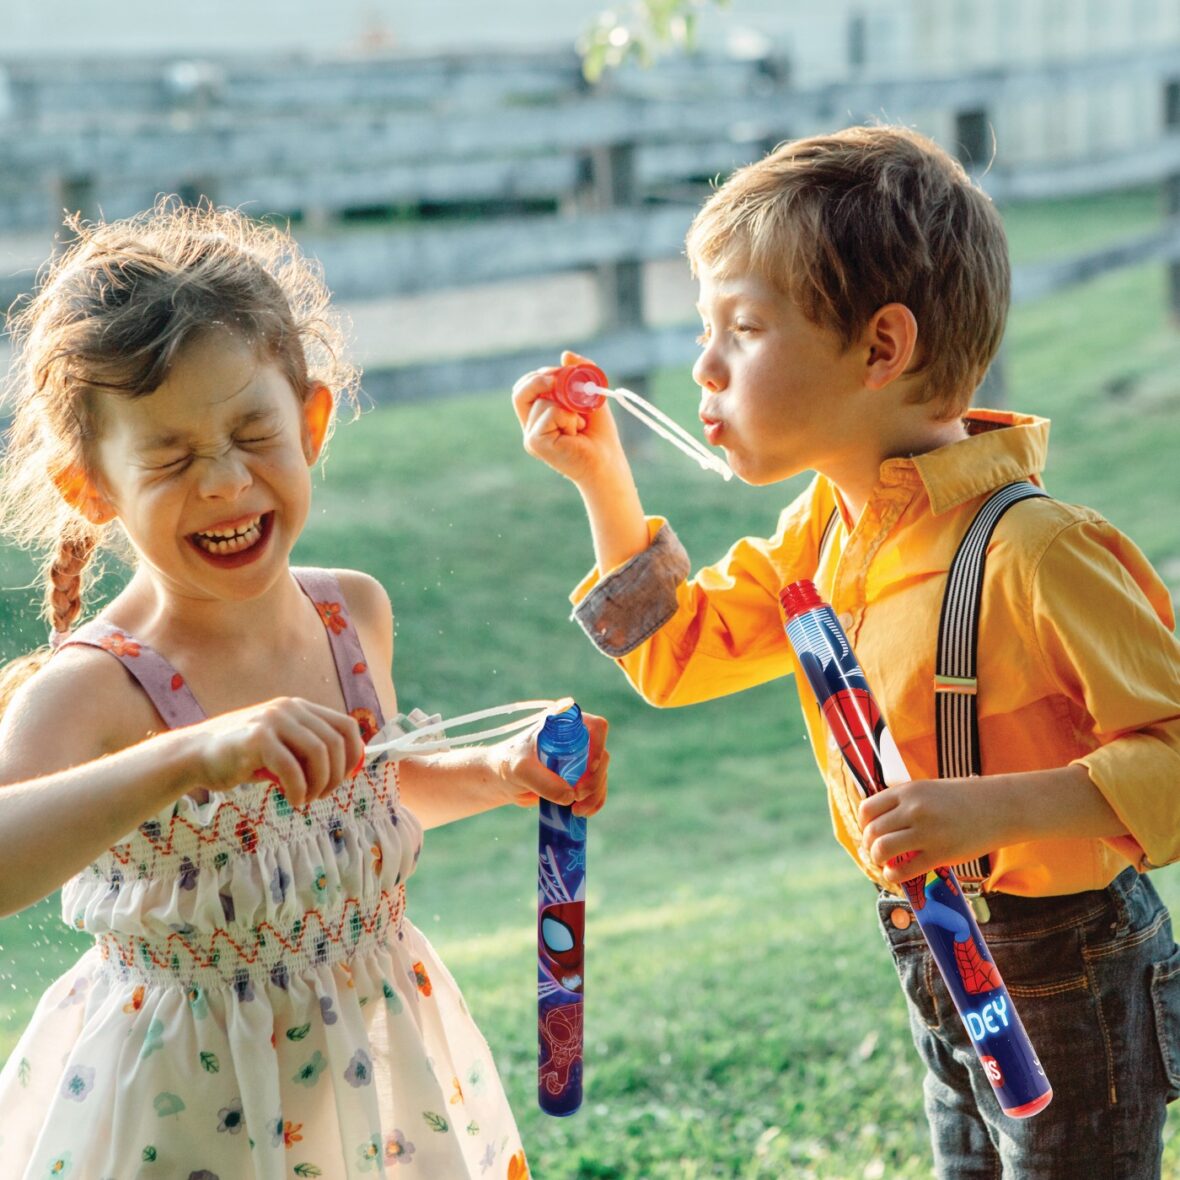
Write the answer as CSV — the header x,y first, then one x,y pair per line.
x,y
256,1004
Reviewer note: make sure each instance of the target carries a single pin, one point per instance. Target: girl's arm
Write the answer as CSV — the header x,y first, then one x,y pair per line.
x,y
439,788
81,768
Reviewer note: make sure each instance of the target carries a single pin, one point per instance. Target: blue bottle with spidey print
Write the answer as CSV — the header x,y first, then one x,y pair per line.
x,y
563,745
944,915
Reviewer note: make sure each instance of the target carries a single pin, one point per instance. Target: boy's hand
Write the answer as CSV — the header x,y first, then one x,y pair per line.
x,y
583,448
941,821
528,779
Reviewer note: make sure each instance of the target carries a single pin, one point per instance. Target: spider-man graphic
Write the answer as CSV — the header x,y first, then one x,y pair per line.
x,y
978,974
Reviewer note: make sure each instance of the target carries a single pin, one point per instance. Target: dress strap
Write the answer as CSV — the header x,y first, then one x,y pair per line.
x,y
163,684
352,669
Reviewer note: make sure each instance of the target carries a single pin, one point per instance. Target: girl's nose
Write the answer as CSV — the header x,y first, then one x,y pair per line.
x,y
224,477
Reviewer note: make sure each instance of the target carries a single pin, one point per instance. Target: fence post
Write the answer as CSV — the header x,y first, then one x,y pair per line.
x,y
973,148
1171,192
614,185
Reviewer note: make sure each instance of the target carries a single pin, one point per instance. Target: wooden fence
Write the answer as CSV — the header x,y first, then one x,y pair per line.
x,y
409,175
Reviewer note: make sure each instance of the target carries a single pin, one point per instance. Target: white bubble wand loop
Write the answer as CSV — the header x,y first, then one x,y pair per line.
x,y
431,737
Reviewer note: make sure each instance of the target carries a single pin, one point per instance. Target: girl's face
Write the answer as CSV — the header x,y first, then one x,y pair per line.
x,y
209,474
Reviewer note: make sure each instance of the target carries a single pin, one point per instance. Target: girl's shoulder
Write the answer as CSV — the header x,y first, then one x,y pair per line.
x,y
80,705
366,599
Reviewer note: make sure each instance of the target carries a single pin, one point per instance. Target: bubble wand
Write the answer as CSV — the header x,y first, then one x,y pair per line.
x,y
562,745
947,921
582,388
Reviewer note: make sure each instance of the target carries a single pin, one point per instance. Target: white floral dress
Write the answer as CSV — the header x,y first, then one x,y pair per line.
x,y
256,1006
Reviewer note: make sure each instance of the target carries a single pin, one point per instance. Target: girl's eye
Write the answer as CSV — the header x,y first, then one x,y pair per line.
x,y
178,464
703,338
255,440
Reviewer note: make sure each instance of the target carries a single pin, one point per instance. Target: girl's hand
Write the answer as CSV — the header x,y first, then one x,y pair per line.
x,y
941,821
528,780
305,748
580,447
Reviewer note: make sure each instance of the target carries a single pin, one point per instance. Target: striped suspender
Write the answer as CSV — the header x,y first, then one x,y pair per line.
x,y
955,718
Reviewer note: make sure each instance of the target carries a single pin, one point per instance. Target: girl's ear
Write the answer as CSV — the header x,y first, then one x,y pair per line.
x,y
317,417
77,489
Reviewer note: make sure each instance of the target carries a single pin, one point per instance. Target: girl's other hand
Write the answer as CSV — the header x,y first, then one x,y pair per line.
x,y
305,748
579,446
529,780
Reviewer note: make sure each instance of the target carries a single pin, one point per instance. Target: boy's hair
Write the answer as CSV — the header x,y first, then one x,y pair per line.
x,y
111,315
843,224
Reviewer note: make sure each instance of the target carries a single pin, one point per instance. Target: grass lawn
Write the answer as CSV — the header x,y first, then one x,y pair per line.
x,y
743,1019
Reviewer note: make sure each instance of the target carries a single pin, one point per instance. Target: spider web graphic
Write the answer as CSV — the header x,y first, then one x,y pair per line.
x,y
553,887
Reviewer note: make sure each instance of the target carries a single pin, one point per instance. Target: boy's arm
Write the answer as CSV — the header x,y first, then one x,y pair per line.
x,y
1102,633
586,449
680,639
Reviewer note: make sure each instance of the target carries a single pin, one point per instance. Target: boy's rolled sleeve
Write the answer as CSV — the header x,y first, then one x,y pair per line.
x,y
1104,624
622,609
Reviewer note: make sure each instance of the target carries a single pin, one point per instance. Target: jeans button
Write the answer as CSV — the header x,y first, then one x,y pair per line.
x,y
900,917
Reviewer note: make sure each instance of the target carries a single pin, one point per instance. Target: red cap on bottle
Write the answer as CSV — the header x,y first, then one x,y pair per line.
x,y
573,387
799,597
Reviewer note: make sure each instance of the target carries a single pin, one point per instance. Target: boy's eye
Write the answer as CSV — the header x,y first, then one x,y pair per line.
x,y
253,440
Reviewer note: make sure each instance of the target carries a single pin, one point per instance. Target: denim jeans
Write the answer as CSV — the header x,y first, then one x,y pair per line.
x,y
1095,979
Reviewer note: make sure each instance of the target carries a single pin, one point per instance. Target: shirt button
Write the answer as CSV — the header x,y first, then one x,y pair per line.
x,y
900,917
845,619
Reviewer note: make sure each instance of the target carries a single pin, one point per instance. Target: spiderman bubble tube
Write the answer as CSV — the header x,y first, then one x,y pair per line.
x,y
945,917
562,745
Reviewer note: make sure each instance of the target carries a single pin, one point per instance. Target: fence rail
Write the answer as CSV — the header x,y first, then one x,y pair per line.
x,y
410,175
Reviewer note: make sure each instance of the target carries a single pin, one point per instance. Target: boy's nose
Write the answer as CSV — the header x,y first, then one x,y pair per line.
x,y
707,373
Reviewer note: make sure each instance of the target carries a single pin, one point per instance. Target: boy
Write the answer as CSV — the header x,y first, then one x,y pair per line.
x,y
853,290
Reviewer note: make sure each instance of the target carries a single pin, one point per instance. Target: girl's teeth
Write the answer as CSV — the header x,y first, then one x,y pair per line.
x,y
222,542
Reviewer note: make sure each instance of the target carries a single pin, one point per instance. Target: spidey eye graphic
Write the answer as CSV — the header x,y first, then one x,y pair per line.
x,y
557,935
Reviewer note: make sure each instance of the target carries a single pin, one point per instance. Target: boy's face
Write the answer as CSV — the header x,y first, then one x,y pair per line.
x,y
778,393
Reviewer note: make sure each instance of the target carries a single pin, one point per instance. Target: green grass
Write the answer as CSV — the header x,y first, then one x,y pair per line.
x,y
742,1017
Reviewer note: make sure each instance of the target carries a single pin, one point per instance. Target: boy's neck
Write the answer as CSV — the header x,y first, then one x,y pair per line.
x,y
857,484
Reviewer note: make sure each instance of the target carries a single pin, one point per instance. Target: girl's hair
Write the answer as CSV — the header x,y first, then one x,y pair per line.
x,y
111,314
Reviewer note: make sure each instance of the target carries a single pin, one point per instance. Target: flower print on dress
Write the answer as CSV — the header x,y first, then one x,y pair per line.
x,y
367,721
398,1149
518,1168
331,616
420,978
243,986
369,1154
309,1073
61,1164
119,645
77,992
166,1104
188,874
360,1069
78,1083
197,1001
231,1118
280,882
326,1010
291,1134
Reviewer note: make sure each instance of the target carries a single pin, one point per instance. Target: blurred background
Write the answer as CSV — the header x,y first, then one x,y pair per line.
x,y
485,185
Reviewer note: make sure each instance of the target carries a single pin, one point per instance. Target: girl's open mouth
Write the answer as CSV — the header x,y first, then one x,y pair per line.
x,y
234,546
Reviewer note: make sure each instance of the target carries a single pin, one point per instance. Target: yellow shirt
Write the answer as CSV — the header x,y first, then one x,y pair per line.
x,y
1078,662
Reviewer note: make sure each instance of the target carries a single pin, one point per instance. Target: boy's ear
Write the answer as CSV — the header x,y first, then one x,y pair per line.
x,y
317,417
77,489
890,341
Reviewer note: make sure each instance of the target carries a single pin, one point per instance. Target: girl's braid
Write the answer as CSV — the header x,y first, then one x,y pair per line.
x,y
63,591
